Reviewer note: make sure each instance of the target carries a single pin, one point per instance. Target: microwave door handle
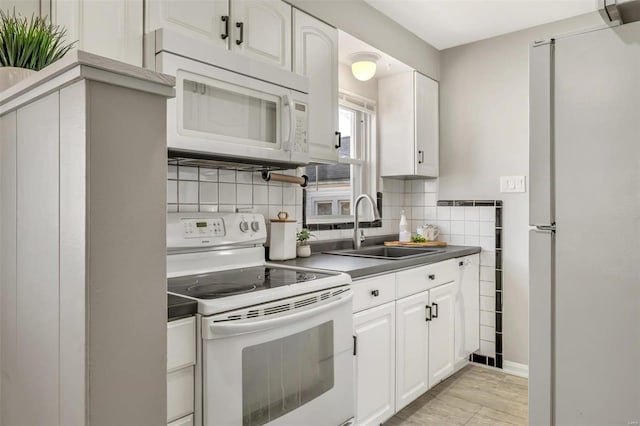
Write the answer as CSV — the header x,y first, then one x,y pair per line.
x,y
229,328
288,101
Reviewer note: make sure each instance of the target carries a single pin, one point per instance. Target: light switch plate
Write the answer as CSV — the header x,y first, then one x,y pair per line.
x,y
512,184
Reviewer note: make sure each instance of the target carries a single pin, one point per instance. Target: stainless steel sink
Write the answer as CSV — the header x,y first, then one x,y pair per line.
x,y
383,252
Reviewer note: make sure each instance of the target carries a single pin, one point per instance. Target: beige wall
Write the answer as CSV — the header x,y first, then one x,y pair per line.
x,y
364,22
484,109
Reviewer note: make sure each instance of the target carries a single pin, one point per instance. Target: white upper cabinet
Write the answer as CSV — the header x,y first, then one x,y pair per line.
x,y
441,332
262,30
23,7
204,19
107,28
315,53
409,125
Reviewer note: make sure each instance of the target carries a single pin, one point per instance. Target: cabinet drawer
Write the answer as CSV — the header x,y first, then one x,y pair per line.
x,y
185,421
179,393
181,343
372,292
423,278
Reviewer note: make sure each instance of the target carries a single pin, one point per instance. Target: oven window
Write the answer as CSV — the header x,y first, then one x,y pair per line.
x,y
281,375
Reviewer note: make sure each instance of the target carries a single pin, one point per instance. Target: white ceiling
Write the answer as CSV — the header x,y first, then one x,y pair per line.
x,y
387,65
449,23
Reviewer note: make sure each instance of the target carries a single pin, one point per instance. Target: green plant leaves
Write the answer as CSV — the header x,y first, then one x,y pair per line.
x,y
30,43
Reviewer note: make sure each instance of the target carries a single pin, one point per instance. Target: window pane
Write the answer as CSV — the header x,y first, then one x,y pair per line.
x,y
345,208
324,208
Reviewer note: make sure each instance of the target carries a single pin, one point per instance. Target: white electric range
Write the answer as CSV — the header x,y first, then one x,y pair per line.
x,y
274,342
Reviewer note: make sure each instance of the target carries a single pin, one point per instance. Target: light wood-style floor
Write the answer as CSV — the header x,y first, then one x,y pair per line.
x,y
473,396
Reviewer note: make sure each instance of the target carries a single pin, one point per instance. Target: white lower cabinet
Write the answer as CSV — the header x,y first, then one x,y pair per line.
x,y
441,332
412,348
374,364
185,421
181,358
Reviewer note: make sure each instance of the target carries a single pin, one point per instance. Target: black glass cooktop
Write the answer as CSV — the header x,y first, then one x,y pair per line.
x,y
213,285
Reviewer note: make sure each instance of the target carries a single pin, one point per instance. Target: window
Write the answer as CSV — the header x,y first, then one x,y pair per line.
x,y
333,187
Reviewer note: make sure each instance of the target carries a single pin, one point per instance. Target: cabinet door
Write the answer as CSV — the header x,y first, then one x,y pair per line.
x,y
374,367
316,57
441,337
467,308
262,29
107,28
203,19
427,126
396,108
412,348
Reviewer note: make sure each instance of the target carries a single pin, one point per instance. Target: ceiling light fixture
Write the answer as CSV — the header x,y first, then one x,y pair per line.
x,y
363,65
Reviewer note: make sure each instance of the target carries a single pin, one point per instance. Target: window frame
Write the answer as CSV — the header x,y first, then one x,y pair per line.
x,y
364,141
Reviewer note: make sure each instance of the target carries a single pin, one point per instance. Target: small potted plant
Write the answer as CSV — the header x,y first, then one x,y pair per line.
x,y
303,249
27,46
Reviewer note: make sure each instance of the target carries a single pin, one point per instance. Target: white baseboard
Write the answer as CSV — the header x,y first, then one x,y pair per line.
x,y
516,369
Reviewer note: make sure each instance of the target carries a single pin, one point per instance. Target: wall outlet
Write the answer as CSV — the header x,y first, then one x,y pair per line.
x,y
512,184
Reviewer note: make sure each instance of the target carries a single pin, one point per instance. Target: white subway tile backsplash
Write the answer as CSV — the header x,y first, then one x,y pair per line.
x,y
472,228
443,213
429,214
244,177
275,194
487,288
172,191
487,214
487,273
289,194
457,227
431,200
209,175
208,208
172,208
172,172
227,208
457,213
488,318
188,208
444,226
209,192
488,303
431,185
260,194
228,176
187,173
487,348
457,240
244,194
471,240
188,192
471,213
488,258
227,193
487,333
487,229
488,243
417,213
417,199
408,186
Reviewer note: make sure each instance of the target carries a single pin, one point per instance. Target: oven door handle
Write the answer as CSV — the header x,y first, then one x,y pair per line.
x,y
229,328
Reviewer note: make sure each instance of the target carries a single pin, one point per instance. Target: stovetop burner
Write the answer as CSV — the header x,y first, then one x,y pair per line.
x,y
214,285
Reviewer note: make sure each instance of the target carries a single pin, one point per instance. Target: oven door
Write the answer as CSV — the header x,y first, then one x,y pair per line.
x,y
283,363
229,115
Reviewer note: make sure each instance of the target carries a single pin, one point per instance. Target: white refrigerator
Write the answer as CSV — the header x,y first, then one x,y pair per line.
x,y
584,363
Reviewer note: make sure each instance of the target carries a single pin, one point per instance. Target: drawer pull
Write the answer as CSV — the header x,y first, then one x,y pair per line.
x,y
428,318
375,293
432,277
435,308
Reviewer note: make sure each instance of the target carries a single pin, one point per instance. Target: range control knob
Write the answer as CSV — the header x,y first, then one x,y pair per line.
x,y
255,226
244,226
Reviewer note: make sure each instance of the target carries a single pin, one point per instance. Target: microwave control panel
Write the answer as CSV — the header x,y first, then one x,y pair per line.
x,y
302,124
198,228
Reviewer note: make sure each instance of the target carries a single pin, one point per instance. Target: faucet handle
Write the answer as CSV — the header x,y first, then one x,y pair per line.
x,y
362,237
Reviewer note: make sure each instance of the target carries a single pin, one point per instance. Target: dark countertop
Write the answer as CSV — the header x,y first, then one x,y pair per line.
x,y
178,307
359,267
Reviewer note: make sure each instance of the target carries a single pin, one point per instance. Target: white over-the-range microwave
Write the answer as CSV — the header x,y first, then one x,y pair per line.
x,y
229,107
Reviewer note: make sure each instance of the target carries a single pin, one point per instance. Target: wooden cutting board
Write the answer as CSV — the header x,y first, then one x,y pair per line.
x,y
410,244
